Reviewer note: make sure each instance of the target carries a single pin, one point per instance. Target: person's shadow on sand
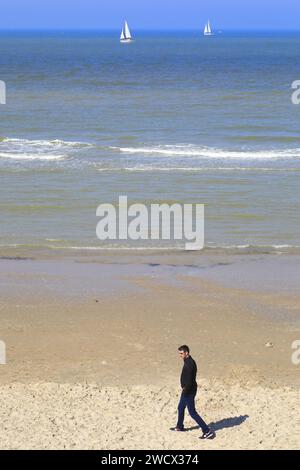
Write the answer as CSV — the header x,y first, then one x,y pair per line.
x,y
229,422
224,423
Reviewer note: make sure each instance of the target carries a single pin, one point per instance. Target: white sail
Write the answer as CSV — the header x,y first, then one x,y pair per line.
x,y
127,31
126,34
207,29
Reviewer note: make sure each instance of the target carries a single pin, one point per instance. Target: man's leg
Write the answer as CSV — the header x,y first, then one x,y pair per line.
x,y
181,409
190,402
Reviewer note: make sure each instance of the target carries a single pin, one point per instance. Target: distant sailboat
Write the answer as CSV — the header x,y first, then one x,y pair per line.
x,y
126,34
207,29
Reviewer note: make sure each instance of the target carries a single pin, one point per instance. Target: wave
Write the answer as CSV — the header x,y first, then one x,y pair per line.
x,y
272,249
182,150
245,249
247,246
25,156
56,143
194,169
47,150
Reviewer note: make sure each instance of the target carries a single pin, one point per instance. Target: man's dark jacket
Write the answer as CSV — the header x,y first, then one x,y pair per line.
x,y
188,376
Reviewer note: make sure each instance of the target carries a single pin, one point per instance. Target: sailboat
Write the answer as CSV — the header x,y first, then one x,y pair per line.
x,y
207,29
126,34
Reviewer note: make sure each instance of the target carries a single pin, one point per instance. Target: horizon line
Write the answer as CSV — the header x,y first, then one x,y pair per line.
x,y
113,29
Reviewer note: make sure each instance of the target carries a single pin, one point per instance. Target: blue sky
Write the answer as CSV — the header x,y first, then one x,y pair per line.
x,y
150,14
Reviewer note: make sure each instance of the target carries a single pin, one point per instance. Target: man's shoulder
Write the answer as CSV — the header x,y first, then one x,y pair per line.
x,y
191,361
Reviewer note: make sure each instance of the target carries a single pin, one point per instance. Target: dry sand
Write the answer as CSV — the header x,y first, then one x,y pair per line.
x,y
86,416
101,372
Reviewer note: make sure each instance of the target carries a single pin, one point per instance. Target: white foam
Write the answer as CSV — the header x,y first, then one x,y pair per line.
x,y
124,248
151,168
275,248
27,156
45,143
193,169
43,150
182,150
247,246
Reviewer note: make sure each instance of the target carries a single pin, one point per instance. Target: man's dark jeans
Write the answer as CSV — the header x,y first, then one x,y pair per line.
x,y
188,401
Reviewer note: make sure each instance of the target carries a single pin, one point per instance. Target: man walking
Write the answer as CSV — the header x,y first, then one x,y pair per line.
x,y
189,391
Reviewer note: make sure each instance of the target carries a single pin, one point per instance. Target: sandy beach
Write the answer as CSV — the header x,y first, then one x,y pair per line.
x,y
93,364
86,416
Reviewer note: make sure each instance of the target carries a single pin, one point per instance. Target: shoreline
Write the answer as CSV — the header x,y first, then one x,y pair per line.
x,y
265,273
32,251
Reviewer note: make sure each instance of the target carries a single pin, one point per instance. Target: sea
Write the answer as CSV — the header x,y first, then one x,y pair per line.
x,y
171,117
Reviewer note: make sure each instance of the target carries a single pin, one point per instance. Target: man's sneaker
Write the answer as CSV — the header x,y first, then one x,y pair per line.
x,y
177,429
208,435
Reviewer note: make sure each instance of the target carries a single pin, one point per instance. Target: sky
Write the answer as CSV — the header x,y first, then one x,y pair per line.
x,y
150,14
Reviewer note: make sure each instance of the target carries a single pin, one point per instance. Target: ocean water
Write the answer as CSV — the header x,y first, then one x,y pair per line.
x,y
171,117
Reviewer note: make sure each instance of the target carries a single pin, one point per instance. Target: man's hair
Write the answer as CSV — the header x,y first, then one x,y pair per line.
x,y
184,348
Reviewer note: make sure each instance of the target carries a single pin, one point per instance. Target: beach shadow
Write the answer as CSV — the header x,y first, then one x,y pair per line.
x,y
222,424
229,422
192,428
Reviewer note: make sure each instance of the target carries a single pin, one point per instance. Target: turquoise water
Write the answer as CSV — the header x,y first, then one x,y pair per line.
x,y
171,117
